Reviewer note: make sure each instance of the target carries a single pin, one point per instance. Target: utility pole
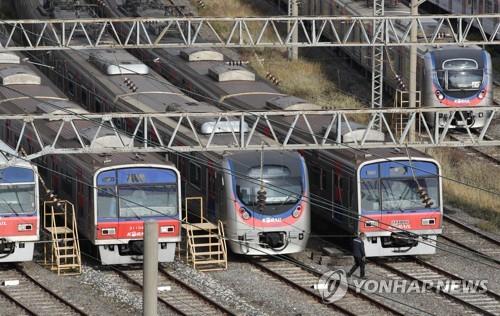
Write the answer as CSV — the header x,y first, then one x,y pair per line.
x,y
293,10
150,266
378,60
413,65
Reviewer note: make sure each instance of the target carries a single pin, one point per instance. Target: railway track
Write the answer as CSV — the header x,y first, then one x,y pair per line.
x,y
181,297
426,274
30,297
489,154
471,239
293,273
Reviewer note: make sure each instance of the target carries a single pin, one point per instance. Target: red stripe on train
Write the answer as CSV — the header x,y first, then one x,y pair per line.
x,y
412,221
18,226
135,229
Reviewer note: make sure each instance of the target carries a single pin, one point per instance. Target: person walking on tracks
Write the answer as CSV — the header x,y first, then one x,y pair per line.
x,y
358,251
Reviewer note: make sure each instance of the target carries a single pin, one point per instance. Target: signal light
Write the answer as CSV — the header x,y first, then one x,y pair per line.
x,y
424,197
296,213
439,95
481,94
244,213
261,199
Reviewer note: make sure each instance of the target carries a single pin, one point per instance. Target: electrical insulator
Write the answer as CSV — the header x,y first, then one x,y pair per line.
x,y
273,78
261,199
424,197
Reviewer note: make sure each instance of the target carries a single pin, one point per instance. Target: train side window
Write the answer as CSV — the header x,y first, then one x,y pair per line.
x,y
98,105
71,85
315,173
195,174
83,96
322,181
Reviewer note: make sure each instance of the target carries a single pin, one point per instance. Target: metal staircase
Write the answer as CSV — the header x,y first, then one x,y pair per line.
x,y
205,242
62,254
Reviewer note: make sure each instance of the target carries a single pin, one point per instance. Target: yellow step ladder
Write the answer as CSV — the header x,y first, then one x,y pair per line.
x,y
400,120
205,242
62,254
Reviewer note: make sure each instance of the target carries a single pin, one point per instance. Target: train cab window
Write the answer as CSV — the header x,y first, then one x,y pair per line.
x,y
106,202
459,64
84,96
370,195
460,74
195,174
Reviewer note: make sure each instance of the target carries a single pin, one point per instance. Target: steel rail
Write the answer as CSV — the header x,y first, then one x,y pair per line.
x,y
170,304
17,302
447,275
191,289
316,296
474,231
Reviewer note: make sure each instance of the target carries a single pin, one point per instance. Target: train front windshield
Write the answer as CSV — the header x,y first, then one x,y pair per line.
x,y
392,187
281,188
17,191
134,193
460,75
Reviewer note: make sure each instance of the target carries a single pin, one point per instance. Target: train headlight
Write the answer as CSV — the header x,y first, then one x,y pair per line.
x,y
481,94
167,229
108,231
244,213
296,213
439,95
428,221
371,224
24,227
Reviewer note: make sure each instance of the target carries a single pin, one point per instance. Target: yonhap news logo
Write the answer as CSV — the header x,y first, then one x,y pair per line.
x,y
333,285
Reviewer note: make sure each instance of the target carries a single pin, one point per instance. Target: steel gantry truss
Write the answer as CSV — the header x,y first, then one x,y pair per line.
x,y
377,58
248,32
280,126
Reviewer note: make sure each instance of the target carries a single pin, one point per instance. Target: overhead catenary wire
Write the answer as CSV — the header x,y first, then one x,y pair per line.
x,y
345,214
180,88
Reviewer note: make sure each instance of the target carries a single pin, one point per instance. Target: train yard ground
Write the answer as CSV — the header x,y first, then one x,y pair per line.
x,y
469,249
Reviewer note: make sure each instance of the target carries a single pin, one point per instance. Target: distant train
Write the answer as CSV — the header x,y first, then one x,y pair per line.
x,y
398,229
230,182
113,193
472,7
19,208
444,76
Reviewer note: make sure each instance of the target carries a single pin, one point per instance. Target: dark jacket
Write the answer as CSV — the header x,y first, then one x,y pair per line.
x,y
358,248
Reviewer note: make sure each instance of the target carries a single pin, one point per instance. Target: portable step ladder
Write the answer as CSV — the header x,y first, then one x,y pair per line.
x,y
62,254
205,243
400,120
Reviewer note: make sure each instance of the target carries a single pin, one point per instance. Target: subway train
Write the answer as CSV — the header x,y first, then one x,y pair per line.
x,y
113,193
472,7
276,222
448,76
341,189
19,208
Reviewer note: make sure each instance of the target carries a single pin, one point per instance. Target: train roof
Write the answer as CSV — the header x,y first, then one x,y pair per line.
x,y
251,159
356,157
49,99
146,91
475,53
